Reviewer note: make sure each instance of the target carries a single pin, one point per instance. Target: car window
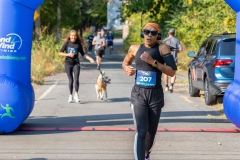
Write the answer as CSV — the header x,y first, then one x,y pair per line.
x,y
209,46
214,45
202,50
228,47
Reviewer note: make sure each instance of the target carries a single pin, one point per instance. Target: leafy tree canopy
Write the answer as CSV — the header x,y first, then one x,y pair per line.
x,y
192,22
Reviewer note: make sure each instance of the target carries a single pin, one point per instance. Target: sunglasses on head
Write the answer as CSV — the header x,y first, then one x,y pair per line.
x,y
153,33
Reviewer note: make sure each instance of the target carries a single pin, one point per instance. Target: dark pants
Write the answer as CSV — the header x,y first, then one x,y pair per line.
x,y
146,107
73,72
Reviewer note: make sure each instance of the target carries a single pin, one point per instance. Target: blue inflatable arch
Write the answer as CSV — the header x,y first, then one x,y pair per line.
x,y
231,100
16,91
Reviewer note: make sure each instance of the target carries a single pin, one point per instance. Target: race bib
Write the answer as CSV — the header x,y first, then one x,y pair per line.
x,y
72,50
146,78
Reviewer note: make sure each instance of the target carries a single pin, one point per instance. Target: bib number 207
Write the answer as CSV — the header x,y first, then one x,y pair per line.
x,y
145,79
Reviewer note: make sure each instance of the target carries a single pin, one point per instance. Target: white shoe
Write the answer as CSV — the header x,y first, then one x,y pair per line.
x,y
70,99
76,98
171,89
166,89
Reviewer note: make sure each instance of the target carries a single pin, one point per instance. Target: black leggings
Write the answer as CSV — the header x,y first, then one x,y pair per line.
x,y
146,108
73,71
146,122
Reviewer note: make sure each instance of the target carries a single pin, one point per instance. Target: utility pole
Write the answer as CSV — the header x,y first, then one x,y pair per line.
x,y
80,13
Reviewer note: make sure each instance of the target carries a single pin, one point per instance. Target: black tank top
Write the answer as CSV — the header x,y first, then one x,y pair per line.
x,y
143,66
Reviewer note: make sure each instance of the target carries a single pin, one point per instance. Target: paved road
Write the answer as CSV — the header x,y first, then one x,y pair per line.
x,y
95,129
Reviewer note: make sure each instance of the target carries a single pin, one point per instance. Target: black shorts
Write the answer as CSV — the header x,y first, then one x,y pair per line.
x,y
99,53
153,98
110,44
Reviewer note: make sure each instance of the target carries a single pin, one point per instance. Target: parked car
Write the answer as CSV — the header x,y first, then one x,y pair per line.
x,y
212,68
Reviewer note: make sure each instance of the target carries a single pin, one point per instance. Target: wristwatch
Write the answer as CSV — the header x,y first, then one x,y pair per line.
x,y
155,62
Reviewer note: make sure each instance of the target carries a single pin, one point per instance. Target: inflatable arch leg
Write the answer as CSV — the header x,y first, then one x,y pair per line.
x,y
231,100
16,92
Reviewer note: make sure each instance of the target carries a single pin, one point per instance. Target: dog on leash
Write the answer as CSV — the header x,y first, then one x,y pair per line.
x,y
101,85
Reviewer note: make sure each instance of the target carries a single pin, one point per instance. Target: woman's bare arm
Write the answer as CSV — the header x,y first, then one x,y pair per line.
x,y
126,65
164,49
89,58
94,41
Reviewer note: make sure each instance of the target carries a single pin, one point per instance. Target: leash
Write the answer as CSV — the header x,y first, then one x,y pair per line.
x,y
101,74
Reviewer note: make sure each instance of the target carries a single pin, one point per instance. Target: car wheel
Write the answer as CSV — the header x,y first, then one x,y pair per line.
x,y
193,92
220,99
209,98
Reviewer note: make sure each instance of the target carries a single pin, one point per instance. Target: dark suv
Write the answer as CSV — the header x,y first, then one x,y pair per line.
x,y
212,69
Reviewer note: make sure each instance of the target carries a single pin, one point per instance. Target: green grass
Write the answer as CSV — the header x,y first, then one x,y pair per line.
x,y
183,59
45,58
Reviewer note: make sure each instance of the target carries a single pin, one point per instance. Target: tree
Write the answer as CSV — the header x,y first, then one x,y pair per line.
x,y
193,22
73,14
98,13
58,19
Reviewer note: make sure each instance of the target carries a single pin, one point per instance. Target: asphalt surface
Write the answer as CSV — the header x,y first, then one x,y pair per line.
x,y
94,129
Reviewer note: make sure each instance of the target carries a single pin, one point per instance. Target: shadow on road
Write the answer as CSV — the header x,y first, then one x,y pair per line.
x,y
110,120
110,100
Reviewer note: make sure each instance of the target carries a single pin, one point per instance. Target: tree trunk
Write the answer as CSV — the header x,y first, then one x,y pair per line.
x,y
58,19
80,13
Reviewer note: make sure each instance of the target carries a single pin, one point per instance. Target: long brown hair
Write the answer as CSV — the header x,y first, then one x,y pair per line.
x,y
79,39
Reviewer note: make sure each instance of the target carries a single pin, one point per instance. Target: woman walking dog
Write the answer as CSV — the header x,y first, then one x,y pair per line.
x,y
147,97
71,49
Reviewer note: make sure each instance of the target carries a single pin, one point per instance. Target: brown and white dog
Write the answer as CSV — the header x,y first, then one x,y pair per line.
x,y
101,85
